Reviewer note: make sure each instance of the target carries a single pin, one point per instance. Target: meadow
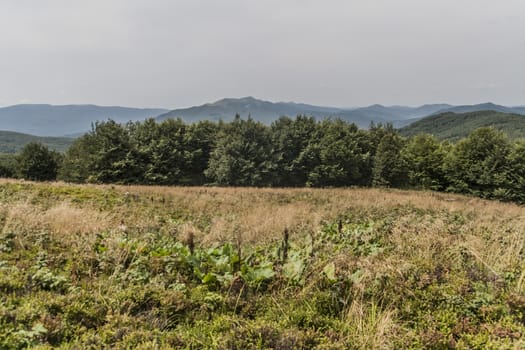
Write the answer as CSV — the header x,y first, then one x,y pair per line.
x,y
109,266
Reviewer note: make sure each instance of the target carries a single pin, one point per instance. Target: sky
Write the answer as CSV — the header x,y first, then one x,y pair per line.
x,y
179,53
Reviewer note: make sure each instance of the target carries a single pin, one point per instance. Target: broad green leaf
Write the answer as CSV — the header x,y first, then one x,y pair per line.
x,y
329,271
293,269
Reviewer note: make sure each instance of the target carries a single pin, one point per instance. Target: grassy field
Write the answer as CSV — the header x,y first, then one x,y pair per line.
x,y
86,266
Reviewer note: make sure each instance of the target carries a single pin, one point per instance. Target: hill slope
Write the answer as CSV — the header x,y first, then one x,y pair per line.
x,y
464,109
482,107
452,126
49,120
12,142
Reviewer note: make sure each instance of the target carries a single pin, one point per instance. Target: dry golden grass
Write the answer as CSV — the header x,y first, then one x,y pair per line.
x,y
427,227
60,220
428,238
257,215
372,327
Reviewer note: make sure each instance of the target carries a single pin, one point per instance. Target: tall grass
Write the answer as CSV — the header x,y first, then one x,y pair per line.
x,y
365,268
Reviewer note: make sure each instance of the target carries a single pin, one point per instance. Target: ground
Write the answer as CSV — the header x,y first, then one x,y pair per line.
x,y
84,266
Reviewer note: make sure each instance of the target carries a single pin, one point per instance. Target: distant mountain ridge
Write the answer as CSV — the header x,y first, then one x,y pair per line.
x,y
267,112
74,120
49,120
260,110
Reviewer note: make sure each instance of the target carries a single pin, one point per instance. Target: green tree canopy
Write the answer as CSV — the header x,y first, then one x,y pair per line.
x,y
242,156
479,163
390,168
8,164
425,157
290,139
107,154
200,140
36,162
516,173
341,153
161,150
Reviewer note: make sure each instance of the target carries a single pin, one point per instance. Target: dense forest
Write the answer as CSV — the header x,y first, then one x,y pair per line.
x,y
291,152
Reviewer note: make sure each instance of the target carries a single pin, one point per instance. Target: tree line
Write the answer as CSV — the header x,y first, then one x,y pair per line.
x,y
291,152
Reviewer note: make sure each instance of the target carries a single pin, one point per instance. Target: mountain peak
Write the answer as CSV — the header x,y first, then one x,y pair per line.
x,y
249,98
489,105
232,100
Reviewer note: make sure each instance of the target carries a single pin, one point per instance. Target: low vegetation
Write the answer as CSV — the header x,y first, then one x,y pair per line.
x,y
85,266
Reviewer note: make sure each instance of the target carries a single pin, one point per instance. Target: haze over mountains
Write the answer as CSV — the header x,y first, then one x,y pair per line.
x,y
266,111
48,120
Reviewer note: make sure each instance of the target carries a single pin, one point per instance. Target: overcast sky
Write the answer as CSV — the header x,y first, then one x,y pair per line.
x,y
178,53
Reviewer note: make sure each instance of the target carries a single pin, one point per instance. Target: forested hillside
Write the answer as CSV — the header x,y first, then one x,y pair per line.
x,y
483,107
13,142
452,126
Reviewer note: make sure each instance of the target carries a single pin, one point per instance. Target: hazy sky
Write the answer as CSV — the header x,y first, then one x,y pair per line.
x,y
177,53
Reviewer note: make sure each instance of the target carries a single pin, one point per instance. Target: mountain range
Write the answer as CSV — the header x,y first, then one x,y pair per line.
x,y
267,112
69,120
73,120
260,110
